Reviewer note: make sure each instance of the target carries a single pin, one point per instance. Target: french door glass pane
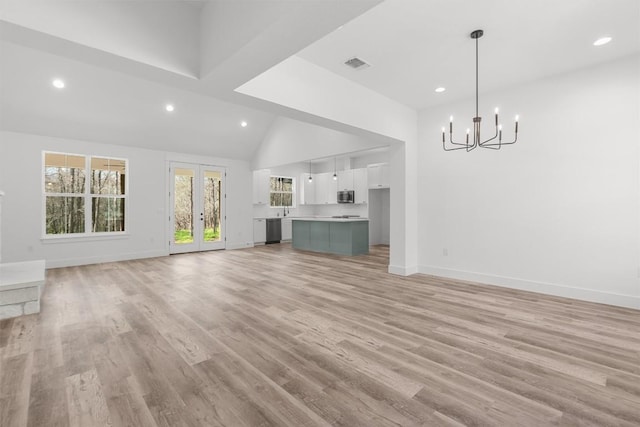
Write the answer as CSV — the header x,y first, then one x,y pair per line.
x,y
183,206
212,192
65,215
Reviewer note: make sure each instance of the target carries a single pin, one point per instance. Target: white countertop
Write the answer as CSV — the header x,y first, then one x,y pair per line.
x,y
273,217
330,219
314,218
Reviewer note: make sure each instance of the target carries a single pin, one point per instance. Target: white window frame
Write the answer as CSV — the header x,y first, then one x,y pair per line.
x,y
87,195
294,200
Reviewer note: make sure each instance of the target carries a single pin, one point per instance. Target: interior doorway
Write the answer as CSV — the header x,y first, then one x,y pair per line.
x,y
379,216
197,208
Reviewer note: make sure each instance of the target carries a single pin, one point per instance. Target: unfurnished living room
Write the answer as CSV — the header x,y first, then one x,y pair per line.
x,y
319,213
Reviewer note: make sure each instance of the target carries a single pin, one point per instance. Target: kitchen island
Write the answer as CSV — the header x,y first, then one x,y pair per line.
x,y
341,236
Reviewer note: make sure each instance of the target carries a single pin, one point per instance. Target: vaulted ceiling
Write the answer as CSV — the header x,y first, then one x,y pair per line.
x,y
122,61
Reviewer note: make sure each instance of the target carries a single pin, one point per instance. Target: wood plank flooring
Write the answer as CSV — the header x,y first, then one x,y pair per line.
x,y
273,337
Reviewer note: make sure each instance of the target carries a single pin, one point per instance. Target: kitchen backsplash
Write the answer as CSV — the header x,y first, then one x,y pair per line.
x,y
342,209
261,211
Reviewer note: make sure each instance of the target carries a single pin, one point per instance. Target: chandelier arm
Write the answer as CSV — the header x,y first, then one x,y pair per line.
x,y
503,143
457,143
490,139
453,149
462,147
472,146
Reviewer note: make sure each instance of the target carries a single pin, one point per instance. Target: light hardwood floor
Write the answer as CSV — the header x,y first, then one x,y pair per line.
x,y
269,336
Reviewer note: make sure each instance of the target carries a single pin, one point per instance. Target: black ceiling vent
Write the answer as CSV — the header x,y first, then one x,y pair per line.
x,y
356,63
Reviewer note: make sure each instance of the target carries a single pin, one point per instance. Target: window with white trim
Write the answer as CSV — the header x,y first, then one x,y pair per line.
x,y
282,192
84,195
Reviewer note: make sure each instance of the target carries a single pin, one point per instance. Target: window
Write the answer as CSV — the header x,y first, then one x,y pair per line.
x,y
83,195
281,192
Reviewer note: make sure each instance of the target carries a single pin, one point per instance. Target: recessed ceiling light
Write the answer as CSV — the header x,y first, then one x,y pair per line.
x,y
602,41
440,89
169,107
57,83
243,124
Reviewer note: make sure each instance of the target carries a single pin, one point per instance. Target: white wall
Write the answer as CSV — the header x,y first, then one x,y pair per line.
x,y
369,159
556,213
291,141
21,179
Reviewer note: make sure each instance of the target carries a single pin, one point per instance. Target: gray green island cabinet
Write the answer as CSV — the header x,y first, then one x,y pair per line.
x,y
341,236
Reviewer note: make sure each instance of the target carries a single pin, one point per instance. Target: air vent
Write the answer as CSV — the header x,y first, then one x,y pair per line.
x,y
356,63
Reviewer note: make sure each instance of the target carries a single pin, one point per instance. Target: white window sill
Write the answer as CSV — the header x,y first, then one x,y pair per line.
x,y
76,238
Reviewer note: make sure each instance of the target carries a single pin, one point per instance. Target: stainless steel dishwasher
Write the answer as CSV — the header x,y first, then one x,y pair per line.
x,y
274,230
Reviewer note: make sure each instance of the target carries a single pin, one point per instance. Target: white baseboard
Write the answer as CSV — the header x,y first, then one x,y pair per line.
x,y
242,245
403,271
630,301
72,262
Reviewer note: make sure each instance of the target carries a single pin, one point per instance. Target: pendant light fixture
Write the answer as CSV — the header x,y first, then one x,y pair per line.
x,y
335,175
310,177
477,142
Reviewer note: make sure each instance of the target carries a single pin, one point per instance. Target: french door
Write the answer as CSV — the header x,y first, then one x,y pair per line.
x,y
197,208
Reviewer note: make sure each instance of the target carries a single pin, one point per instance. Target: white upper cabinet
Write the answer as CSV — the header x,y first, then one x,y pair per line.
x,y
261,180
326,189
360,186
323,189
307,189
378,175
345,180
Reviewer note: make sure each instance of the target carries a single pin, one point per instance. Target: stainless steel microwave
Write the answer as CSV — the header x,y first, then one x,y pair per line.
x,y
345,196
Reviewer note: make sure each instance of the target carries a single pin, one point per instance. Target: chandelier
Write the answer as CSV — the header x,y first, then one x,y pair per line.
x,y
477,142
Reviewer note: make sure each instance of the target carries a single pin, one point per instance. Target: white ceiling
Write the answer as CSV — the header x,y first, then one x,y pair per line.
x,y
164,34
103,105
123,60
414,46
